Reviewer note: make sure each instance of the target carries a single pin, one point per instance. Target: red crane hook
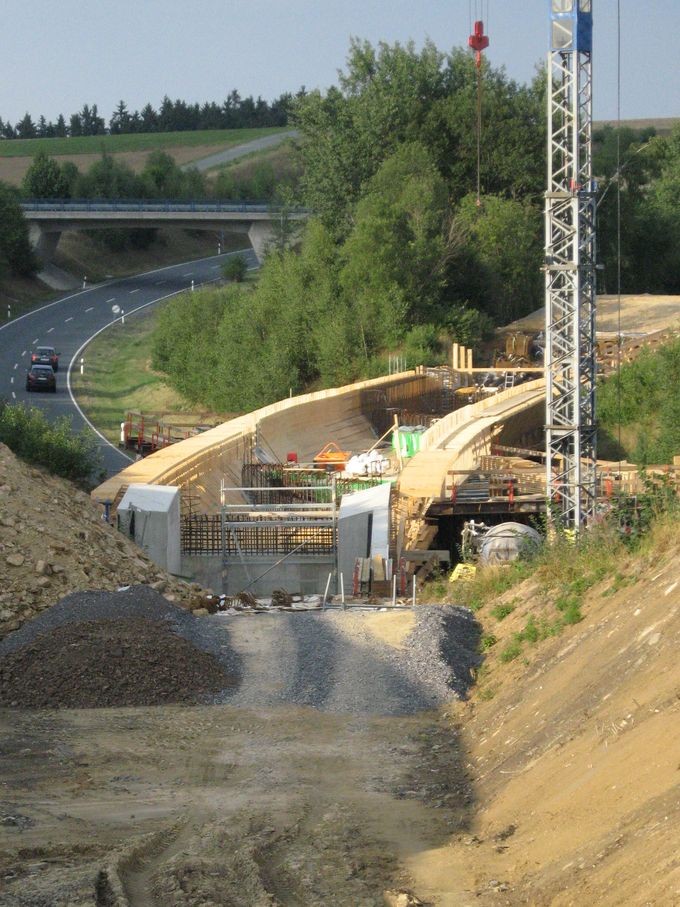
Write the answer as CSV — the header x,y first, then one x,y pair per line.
x,y
478,41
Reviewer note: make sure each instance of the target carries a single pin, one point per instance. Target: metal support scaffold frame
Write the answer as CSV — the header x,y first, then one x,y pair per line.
x,y
570,268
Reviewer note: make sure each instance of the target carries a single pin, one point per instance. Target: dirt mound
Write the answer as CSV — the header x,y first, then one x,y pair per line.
x,y
109,649
53,542
108,663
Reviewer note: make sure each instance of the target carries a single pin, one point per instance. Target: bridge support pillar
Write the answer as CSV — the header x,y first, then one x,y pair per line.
x,y
261,236
44,243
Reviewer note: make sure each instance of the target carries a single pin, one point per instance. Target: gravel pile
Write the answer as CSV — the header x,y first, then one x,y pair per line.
x,y
329,661
99,649
110,649
442,650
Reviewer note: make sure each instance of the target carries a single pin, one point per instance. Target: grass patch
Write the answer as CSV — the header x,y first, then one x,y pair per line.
x,y
118,377
143,141
512,651
82,254
491,582
500,612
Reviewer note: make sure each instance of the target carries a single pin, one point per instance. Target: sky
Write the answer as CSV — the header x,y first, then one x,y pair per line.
x,y
54,57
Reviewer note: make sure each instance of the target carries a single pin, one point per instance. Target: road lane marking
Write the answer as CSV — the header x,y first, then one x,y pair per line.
x,y
11,380
14,396
188,274
24,352
36,340
67,319
113,299
135,291
16,365
90,309
49,330
245,252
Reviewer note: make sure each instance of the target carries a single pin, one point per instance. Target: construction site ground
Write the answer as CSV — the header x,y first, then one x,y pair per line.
x,y
331,762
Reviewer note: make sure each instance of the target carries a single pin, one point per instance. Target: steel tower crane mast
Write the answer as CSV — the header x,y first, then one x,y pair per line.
x,y
570,267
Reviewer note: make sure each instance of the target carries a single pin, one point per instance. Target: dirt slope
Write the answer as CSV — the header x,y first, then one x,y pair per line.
x,y
53,541
577,756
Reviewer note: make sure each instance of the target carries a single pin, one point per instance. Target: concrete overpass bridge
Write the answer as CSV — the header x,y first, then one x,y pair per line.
x,y
49,218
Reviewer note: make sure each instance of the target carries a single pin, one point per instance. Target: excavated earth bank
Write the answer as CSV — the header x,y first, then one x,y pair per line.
x,y
332,759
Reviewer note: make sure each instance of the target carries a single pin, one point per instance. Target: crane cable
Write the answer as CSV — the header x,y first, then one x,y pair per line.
x,y
478,42
618,221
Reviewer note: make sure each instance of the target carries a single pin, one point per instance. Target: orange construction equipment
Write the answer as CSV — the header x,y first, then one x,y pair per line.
x,y
331,457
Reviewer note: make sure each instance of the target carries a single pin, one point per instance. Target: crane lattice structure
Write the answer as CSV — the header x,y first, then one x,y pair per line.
x,y
570,267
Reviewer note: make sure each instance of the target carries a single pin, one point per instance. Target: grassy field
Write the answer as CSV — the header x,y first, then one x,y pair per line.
x,y
95,144
118,377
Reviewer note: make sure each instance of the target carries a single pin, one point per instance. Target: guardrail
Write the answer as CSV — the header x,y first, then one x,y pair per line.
x,y
436,435
155,205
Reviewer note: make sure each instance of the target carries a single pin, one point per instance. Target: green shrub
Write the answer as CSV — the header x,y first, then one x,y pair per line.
x,y
26,431
500,612
235,268
511,651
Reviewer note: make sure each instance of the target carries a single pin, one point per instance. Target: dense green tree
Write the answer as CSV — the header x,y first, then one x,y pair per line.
x,y
45,178
235,268
394,257
396,94
25,128
108,178
504,249
16,254
120,119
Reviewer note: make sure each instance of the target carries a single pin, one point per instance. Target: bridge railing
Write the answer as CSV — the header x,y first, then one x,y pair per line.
x,y
154,205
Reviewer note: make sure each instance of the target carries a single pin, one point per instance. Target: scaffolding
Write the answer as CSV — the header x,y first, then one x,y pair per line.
x,y
570,268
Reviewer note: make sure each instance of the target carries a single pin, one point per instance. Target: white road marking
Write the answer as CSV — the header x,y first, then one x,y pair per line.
x,y
24,352
49,330
134,291
90,309
14,396
11,380
113,299
36,340
16,365
188,274
69,319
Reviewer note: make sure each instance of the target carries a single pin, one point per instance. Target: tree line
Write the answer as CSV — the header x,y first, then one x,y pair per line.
x,y
234,112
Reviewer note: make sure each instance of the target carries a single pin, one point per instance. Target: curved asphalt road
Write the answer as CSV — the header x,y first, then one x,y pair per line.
x,y
69,323
237,151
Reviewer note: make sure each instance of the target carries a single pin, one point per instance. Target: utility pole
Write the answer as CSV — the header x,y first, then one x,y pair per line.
x,y
570,268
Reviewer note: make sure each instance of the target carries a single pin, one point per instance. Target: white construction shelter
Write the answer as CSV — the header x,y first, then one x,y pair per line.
x,y
149,514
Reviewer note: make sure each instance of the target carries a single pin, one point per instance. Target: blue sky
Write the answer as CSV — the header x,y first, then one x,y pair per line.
x,y
56,56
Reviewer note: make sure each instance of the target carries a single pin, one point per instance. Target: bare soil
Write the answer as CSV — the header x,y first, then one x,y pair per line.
x,y
637,315
557,783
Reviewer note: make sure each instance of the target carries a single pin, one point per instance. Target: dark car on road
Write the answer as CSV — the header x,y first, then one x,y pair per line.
x,y
46,355
41,378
